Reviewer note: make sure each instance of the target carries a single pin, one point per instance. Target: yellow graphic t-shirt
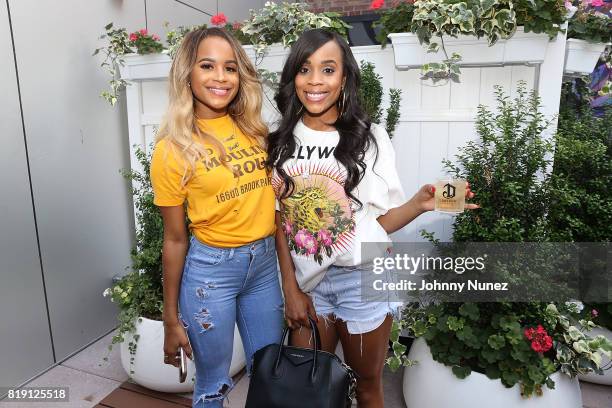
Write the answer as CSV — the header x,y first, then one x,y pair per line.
x,y
225,209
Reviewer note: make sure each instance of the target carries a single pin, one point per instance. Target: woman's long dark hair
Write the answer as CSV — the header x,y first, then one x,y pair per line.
x,y
353,125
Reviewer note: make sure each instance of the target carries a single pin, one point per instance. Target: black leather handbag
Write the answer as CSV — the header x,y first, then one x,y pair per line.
x,y
295,377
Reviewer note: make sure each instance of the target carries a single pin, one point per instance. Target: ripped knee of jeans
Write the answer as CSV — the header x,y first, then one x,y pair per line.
x,y
204,319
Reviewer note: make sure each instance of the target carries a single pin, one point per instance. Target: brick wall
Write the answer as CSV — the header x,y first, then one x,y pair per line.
x,y
345,7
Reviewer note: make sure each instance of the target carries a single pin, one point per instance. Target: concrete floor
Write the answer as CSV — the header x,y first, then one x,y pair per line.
x,y
90,379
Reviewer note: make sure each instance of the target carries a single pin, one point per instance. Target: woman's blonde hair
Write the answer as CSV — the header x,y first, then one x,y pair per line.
x,y
179,126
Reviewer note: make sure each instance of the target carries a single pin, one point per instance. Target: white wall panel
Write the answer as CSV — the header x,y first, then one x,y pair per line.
x,y
25,338
77,144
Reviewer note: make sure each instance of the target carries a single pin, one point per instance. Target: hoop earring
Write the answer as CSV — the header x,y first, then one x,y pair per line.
x,y
343,105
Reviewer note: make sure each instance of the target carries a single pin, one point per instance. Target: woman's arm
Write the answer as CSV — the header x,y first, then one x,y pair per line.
x,y
174,250
298,305
423,201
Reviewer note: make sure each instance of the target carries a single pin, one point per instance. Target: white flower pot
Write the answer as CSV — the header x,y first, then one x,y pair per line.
x,y
528,48
605,379
148,366
273,59
430,384
582,56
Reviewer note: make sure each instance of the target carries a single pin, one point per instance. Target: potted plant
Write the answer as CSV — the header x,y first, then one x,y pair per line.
x,y
468,32
120,43
500,354
138,295
601,313
276,26
504,355
589,32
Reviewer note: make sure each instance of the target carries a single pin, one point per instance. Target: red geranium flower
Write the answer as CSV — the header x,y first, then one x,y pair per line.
x,y
143,31
376,4
218,19
133,37
541,342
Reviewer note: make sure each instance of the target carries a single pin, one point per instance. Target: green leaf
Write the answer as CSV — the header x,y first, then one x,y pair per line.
x,y
469,310
496,341
461,372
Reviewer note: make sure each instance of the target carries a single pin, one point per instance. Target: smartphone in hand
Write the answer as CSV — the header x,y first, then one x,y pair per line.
x,y
182,365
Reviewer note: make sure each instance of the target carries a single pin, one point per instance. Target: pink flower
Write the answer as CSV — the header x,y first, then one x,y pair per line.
x,y
325,237
133,37
376,4
288,227
143,31
311,245
237,25
597,3
594,313
303,239
218,19
155,37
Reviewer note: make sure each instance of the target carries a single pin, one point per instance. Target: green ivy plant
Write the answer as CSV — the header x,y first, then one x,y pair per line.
x,y
284,22
139,293
431,20
117,47
371,93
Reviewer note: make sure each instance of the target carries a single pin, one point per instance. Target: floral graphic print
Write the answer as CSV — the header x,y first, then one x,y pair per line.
x,y
317,218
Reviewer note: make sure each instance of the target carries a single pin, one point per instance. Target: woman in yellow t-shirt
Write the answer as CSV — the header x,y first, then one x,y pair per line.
x,y
210,153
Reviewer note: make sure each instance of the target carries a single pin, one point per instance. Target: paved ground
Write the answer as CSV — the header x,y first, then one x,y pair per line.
x,y
90,379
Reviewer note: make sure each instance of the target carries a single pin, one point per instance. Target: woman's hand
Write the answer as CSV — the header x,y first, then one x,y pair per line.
x,y
298,306
425,197
175,337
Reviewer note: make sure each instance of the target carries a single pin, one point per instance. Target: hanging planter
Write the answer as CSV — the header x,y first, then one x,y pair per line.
x,y
521,48
433,385
581,56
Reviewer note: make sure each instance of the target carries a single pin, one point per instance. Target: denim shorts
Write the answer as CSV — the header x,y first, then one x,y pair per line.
x,y
222,287
339,294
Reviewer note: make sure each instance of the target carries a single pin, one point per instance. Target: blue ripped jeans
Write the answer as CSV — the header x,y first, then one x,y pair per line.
x,y
219,288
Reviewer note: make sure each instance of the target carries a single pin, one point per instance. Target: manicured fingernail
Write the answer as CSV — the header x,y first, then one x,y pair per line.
x,y
433,189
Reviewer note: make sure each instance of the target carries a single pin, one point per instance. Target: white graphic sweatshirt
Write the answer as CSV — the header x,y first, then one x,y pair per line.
x,y
321,224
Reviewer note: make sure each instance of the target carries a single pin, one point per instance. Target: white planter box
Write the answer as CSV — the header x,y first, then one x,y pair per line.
x,y
605,379
145,67
149,368
521,48
582,56
157,66
430,384
273,59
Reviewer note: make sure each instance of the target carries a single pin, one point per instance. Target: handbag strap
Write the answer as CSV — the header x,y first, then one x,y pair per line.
x,y
317,346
